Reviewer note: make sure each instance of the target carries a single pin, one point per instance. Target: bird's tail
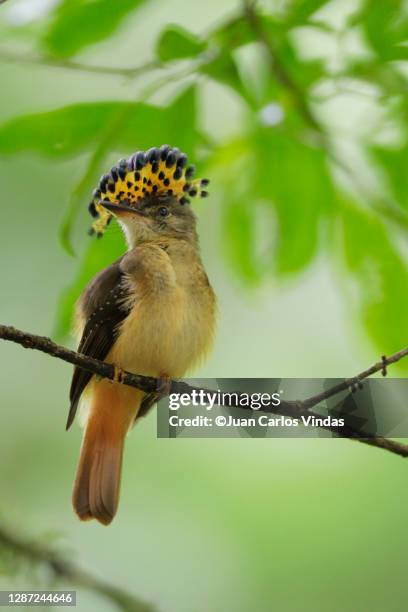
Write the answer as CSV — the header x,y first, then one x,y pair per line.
x,y
96,489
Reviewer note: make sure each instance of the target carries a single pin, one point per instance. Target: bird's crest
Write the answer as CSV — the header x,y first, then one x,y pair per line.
x,y
161,171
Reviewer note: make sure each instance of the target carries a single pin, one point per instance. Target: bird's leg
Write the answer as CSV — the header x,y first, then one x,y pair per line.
x,y
163,385
119,375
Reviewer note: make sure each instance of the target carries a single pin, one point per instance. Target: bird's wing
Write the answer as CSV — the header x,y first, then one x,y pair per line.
x,y
103,305
147,404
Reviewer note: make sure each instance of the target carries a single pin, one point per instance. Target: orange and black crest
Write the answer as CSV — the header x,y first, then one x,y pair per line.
x,y
162,171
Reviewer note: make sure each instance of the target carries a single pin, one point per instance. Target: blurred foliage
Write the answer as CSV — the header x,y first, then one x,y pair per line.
x,y
78,23
386,27
381,274
177,43
26,557
80,127
287,192
393,162
40,562
284,158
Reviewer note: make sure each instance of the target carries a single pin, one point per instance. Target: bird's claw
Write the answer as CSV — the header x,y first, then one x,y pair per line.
x,y
118,375
163,385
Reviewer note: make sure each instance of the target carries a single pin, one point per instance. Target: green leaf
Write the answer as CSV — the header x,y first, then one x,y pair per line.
x,y
105,140
233,34
59,133
150,126
278,197
222,68
176,43
99,254
303,73
293,177
78,23
300,11
79,127
394,164
386,27
381,275
239,224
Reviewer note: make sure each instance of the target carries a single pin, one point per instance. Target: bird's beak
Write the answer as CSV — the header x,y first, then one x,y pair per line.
x,y
120,209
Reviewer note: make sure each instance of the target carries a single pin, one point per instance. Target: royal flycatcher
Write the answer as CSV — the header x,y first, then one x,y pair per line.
x,y
152,312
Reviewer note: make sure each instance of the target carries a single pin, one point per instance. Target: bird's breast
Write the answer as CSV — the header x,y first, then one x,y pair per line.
x,y
167,331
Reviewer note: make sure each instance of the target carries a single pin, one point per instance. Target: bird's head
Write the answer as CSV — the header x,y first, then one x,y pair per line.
x,y
149,194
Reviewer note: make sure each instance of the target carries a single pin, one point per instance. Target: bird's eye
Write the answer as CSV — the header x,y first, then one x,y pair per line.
x,y
163,211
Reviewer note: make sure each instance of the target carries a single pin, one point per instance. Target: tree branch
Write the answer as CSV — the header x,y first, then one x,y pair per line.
x,y
148,384
350,383
66,571
100,368
277,68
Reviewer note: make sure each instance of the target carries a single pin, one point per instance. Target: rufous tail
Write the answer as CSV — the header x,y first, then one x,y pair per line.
x,y
113,408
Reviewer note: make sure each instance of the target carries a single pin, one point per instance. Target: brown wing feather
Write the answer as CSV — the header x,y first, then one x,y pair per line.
x,y
102,304
147,404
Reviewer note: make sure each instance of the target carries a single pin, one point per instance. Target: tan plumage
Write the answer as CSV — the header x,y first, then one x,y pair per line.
x,y
154,315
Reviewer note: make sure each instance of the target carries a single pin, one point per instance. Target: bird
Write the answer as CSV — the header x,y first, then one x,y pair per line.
x,y
151,312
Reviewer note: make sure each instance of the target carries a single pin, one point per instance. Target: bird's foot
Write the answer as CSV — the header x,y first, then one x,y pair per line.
x,y
119,375
163,384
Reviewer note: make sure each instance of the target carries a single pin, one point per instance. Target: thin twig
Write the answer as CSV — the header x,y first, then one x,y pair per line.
x,y
278,69
349,383
66,571
148,384
53,62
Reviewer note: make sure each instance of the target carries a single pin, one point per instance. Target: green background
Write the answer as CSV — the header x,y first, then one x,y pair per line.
x,y
309,263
